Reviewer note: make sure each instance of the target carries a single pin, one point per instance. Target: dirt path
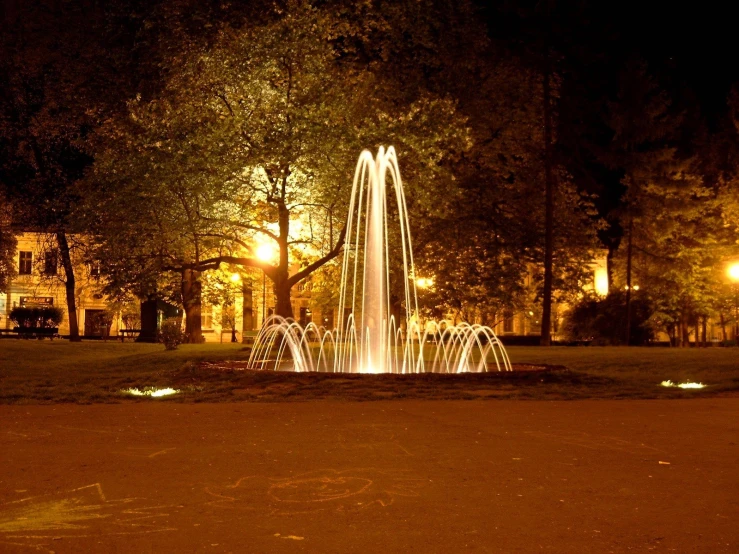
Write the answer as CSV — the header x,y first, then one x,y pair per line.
x,y
403,476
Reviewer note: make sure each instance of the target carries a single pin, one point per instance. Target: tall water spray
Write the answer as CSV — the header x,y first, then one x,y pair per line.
x,y
368,338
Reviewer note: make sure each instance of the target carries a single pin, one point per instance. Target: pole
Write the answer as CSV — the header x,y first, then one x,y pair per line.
x,y
546,314
264,297
628,279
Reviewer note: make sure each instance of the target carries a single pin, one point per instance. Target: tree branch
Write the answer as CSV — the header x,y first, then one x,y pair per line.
x,y
303,273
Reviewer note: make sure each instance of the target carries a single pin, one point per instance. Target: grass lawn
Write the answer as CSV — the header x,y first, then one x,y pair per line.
x,y
59,371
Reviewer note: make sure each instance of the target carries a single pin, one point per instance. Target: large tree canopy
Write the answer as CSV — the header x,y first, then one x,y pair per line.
x,y
253,140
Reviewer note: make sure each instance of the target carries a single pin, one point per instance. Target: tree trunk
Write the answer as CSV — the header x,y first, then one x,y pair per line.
x,y
247,312
684,331
722,320
191,299
546,312
704,332
148,321
628,280
283,306
69,285
609,265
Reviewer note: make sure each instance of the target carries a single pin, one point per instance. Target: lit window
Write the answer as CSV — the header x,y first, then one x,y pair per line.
x,y
25,263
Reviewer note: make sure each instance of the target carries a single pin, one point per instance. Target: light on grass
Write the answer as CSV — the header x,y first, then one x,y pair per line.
x,y
151,392
688,385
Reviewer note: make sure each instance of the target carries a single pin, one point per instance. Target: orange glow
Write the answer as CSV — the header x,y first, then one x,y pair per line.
x,y
733,272
601,281
265,252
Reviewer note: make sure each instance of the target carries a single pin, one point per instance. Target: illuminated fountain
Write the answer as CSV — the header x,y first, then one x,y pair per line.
x,y
369,339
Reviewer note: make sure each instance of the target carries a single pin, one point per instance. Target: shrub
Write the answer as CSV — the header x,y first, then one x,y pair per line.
x,y
44,317
603,321
170,333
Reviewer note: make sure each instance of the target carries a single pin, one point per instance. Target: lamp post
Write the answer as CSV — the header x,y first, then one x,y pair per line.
x,y
265,253
733,273
235,278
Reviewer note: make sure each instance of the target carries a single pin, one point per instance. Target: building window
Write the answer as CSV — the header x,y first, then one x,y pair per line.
x,y
95,269
25,263
50,262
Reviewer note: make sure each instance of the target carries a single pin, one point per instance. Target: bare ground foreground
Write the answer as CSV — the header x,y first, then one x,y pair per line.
x,y
387,476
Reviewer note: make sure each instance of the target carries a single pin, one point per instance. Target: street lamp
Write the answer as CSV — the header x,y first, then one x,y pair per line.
x,y
265,253
733,273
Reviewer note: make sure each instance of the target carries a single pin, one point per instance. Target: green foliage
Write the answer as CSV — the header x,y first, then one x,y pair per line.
x,y
8,244
603,321
170,333
44,317
253,139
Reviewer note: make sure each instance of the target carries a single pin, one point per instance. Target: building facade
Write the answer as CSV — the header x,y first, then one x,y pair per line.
x,y
40,282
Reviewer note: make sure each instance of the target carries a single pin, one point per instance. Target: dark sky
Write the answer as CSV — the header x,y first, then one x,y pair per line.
x,y
693,44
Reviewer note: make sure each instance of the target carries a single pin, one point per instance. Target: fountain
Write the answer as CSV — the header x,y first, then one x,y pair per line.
x,y
369,339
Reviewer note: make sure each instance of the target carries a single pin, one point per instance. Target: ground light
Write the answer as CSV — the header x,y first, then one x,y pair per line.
x,y
151,392
688,385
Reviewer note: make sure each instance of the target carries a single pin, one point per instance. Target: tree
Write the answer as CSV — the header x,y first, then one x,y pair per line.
x,y
8,245
491,236
252,140
50,102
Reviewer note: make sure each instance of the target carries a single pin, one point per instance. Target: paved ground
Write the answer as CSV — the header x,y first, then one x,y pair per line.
x,y
403,476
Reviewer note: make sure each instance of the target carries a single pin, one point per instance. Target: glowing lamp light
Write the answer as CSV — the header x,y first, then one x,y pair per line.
x,y
264,252
687,385
601,281
733,272
424,283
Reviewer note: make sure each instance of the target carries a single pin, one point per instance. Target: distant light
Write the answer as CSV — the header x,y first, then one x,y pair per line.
x,y
601,281
265,252
424,283
688,385
531,314
733,272
235,278
636,287
151,392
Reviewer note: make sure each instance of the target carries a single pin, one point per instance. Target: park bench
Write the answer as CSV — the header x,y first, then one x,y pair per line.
x,y
8,333
37,332
131,333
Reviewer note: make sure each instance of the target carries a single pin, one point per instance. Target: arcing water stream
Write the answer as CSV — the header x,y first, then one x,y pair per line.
x,y
369,339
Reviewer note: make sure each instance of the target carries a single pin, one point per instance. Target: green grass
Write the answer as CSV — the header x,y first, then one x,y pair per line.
x,y
59,371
